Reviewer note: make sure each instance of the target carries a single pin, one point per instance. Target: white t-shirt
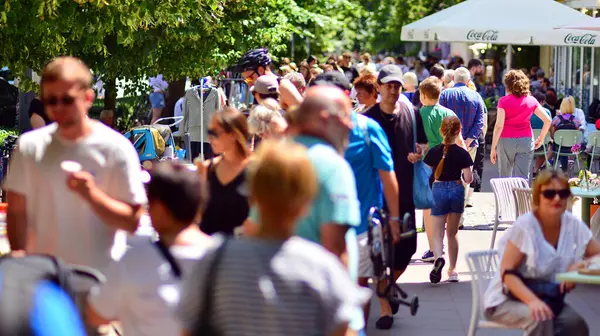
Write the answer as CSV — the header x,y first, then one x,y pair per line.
x,y
542,261
60,222
141,290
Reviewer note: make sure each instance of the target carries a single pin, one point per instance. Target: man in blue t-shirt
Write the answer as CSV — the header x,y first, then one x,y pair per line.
x,y
370,157
53,312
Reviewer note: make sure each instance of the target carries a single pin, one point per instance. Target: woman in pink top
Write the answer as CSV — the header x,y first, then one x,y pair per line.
x,y
513,143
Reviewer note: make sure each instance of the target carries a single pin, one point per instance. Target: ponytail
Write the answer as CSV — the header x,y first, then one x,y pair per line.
x,y
450,127
440,167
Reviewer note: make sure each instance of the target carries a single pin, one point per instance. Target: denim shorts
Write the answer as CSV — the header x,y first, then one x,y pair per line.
x,y
157,99
448,197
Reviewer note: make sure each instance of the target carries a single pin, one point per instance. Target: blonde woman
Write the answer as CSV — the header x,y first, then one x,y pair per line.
x,y
565,120
448,79
547,241
410,88
264,123
290,286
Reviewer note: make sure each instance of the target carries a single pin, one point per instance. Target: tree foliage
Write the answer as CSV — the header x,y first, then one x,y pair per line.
x,y
388,16
133,39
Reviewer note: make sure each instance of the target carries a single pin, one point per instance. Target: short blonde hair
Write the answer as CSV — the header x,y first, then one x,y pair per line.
x,y
411,78
567,106
261,118
68,69
281,180
544,178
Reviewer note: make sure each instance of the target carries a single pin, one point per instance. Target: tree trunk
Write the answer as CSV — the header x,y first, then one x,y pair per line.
x,y
110,94
110,84
176,90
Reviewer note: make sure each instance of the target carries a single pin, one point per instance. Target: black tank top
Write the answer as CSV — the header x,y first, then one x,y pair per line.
x,y
227,206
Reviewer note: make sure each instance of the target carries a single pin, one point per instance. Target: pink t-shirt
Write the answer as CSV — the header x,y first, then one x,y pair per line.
x,y
518,111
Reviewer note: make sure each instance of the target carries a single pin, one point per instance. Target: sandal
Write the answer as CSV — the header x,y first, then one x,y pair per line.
x,y
436,273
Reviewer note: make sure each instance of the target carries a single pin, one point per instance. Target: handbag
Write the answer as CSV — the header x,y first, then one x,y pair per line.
x,y
422,195
547,291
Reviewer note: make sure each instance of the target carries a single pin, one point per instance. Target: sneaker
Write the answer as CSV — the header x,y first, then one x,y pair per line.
x,y
436,273
428,256
453,277
384,323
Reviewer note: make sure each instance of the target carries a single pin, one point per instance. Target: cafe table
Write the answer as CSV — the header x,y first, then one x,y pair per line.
x,y
576,277
587,197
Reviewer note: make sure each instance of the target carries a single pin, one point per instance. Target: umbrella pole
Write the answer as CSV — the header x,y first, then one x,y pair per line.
x,y
509,51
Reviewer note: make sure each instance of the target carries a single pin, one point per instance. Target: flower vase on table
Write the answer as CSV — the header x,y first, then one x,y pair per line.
x,y
585,179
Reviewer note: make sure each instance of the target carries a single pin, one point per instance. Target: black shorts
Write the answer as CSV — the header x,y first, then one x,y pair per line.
x,y
403,252
406,248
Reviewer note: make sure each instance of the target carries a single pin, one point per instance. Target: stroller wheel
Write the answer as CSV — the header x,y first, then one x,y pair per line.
x,y
414,306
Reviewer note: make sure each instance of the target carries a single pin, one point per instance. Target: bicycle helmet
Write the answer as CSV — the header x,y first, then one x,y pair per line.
x,y
253,59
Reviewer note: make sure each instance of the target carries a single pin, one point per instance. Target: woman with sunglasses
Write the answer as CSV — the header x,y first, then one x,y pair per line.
x,y
547,241
227,207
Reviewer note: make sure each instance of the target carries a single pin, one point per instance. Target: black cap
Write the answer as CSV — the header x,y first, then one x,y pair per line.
x,y
390,73
335,78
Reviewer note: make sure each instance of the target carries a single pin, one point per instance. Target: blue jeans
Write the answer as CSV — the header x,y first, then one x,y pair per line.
x,y
449,197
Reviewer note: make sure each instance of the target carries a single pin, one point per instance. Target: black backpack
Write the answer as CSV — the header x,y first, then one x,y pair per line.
x,y
566,123
20,277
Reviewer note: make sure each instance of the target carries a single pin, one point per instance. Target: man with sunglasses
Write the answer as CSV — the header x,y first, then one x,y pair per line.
x,y
256,63
74,183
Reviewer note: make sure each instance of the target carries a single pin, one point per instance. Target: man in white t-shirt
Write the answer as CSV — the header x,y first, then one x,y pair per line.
x,y
72,212
142,289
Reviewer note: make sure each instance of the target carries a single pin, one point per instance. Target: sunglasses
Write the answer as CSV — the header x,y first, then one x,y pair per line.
x,y
54,100
551,193
249,79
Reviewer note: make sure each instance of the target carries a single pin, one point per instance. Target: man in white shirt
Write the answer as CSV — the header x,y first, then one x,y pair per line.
x,y
142,289
72,213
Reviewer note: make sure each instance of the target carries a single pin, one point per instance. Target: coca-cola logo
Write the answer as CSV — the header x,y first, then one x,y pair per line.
x,y
588,39
488,35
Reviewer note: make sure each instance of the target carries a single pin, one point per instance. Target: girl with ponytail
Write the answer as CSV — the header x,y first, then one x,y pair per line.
x,y
449,160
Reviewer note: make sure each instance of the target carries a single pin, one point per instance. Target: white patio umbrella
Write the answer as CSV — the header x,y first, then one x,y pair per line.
x,y
588,25
522,22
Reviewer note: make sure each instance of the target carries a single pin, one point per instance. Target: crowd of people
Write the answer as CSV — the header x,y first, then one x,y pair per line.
x,y
270,236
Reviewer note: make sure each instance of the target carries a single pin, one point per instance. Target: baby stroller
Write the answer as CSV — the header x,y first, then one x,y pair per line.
x,y
154,142
381,246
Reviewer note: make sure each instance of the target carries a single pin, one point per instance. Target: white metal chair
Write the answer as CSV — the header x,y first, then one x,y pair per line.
x,y
593,140
505,201
567,138
523,200
483,266
547,140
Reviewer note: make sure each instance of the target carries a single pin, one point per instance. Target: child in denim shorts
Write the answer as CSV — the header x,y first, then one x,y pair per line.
x,y
449,160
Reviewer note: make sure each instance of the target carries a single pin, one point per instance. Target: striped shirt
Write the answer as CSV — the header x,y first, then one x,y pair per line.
x,y
469,108
264,287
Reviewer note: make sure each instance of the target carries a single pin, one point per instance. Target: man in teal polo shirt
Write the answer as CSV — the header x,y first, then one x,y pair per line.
x,y
323,124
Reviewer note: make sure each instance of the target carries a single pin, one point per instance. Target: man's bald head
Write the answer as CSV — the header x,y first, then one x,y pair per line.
x,y
68,69
323,98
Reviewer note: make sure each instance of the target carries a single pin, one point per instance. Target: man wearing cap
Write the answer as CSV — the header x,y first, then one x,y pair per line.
x,y
396,118
255,64
265,87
